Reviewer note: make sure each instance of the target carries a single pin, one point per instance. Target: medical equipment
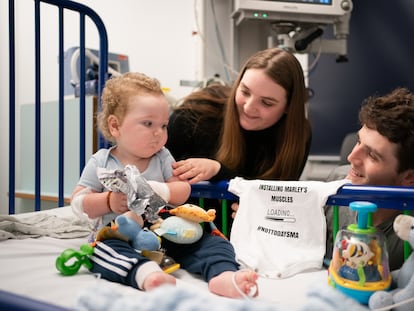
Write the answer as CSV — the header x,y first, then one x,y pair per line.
x,y
298,25
117,64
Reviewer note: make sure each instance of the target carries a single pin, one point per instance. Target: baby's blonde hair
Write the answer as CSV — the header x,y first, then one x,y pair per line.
x,y
116,94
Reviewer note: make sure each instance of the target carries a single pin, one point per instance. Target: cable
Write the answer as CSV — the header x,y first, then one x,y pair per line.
x,y
253,290
312,66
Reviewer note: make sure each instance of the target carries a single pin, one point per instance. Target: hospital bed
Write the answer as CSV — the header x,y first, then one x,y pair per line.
x,y
28,277
30,281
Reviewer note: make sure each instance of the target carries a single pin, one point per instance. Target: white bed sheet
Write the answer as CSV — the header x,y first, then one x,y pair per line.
x,y
27,267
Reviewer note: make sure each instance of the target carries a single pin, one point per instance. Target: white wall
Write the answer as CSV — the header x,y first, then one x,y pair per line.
x,y
156,35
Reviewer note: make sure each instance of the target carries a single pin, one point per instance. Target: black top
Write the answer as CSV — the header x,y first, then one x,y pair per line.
x,y
189,139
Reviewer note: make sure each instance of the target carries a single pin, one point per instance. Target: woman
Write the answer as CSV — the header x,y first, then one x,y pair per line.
x,y
265,133
195,124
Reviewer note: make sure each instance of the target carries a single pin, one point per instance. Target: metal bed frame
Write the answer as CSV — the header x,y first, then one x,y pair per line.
x,y
84,12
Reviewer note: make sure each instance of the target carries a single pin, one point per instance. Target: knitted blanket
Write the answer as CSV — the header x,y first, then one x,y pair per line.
x,y
170,298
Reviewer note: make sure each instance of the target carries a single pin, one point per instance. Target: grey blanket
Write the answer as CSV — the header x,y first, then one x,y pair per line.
x,y
42,224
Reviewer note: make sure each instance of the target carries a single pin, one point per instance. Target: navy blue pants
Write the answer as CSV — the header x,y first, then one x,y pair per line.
x,y
118,261
208,257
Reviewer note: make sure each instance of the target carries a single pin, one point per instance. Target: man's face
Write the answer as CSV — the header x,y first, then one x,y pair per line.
x,y
373,160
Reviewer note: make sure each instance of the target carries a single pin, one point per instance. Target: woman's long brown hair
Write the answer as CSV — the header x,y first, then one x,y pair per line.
x,y
292,133
205,103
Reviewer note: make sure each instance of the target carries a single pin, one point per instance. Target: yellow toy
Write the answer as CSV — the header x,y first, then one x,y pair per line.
x,y
194,213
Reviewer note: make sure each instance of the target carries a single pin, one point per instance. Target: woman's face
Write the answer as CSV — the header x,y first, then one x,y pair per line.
x,y
260,101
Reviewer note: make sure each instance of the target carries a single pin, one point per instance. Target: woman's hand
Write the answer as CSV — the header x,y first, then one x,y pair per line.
x,y
234,207
195,169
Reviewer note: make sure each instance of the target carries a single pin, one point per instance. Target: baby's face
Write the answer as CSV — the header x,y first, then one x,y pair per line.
x,y
143,131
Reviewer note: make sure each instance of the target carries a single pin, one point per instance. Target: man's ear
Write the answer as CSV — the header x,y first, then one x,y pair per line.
x,y
408,178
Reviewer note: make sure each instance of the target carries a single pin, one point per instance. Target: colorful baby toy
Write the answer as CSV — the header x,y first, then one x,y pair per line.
x,y
359,265
70,261
184,226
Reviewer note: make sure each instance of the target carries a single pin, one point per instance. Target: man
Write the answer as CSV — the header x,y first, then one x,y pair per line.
x,y
383,155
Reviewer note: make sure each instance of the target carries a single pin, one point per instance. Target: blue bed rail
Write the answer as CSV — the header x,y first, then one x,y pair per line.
x,y
84,12
400,198
391,197
13,302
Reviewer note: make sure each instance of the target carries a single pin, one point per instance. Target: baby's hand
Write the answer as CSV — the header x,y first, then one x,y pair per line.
x,y
118,202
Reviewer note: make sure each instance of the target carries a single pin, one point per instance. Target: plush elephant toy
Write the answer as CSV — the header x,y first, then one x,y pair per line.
x,y
404,277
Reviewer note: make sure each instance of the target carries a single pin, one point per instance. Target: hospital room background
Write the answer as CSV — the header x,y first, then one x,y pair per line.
x,y
184,43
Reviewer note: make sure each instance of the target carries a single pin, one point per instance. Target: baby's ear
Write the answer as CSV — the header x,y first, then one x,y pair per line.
x,y
113,125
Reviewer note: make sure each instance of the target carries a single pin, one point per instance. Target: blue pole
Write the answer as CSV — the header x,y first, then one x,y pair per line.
x,y
12,109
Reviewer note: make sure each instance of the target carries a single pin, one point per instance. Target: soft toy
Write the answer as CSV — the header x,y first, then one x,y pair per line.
x,y
179,230
140,239
184,226
404,277
194,213
197,214
144,240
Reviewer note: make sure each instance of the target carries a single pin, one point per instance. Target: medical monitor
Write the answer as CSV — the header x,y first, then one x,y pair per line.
x,y
307,11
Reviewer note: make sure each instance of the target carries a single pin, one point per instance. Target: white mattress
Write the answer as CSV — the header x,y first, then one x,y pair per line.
x,y
27,267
